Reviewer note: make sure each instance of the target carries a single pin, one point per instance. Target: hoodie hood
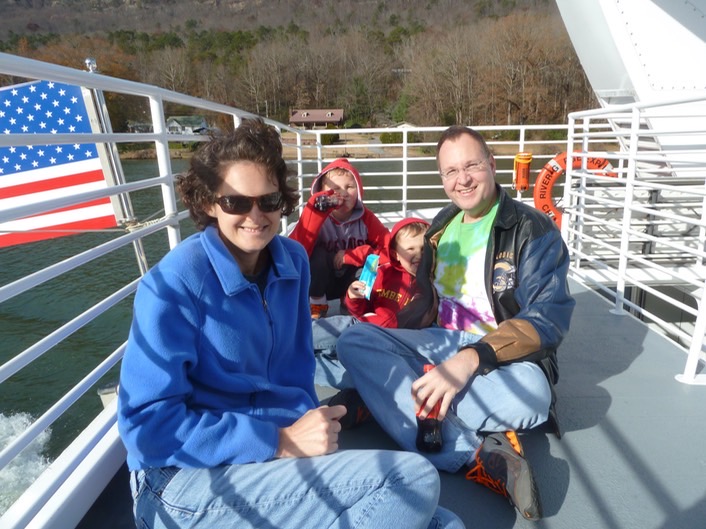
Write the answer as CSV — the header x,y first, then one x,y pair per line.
x,y
339,163
393,233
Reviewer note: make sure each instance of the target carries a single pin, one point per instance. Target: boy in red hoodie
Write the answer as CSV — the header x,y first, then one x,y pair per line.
x,y
394,287
337,231
395,283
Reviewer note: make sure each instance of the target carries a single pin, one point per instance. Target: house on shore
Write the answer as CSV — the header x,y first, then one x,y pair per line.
x,y
186,124
316,117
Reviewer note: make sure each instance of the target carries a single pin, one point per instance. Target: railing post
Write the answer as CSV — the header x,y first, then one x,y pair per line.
x,y
627,213
165,168
689,375
405,152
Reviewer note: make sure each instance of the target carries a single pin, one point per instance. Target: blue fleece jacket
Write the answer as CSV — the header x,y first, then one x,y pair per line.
x,y
212,370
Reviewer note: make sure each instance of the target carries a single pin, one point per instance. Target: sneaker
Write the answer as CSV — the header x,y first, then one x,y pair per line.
x,y
319,311
357,412
501,466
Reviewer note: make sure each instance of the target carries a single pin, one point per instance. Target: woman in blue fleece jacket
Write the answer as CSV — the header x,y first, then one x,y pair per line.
x,y
217,407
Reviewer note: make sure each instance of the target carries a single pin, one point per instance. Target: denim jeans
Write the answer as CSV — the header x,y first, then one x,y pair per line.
x,y
383,363
329,370
373,489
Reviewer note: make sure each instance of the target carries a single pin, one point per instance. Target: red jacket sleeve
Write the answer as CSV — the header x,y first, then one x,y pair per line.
x,y
379,310
307,228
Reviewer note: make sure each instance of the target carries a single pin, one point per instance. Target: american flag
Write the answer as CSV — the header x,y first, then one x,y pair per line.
x,y
31,174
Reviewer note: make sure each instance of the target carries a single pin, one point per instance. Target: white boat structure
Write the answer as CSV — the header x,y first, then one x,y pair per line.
x,y
632,394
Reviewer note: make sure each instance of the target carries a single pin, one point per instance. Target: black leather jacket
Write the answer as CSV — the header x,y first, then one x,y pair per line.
x,y
525,275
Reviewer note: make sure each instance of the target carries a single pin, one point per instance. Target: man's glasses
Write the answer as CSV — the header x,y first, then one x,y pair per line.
x,y
470,168
240,205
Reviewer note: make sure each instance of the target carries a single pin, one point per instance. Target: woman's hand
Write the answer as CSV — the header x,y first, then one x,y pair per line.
x,y
444,382
314,434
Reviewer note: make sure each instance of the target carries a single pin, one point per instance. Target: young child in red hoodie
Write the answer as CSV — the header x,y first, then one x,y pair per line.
x,y
395,283
394,287
338,232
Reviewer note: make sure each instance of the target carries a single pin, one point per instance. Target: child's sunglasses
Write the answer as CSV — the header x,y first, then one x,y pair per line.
x,y
240,205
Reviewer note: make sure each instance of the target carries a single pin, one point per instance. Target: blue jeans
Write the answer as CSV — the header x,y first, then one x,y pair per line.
x,y
329,370
373,489
383,363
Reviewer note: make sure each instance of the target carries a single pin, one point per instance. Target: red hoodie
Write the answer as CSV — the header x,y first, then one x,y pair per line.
x,y
360,235
394,287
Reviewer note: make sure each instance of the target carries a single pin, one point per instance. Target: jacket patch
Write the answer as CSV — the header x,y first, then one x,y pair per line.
x,y
504,276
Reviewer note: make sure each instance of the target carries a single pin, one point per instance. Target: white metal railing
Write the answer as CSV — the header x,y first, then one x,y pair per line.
x,y
642,235
400,175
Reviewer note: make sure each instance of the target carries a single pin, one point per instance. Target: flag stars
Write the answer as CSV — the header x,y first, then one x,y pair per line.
x,y
20,110
50,84
43,95
60,121
72,128
67,110
33,88
5,159
52,160
40,152
7,103
25,100
37,107
23,156
30,117
17,167
74,100
59,149
79,118
13,121
35,163
89,154
42,125
25,128
48,113
62,92
70,157
55,103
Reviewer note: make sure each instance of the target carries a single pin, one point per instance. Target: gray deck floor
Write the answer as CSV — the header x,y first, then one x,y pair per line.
x,y
633,453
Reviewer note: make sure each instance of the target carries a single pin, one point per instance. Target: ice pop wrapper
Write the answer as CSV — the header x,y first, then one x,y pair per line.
x,y
370,271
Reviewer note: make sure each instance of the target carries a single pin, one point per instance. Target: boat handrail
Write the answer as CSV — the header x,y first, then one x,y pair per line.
x,y
639,232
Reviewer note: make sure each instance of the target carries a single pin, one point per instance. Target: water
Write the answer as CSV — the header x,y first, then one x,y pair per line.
x,y
27,318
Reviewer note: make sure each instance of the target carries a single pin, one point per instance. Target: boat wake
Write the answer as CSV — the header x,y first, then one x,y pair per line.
x,y
23,470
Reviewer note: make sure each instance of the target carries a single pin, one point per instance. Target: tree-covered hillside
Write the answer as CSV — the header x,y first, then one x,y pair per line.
x,y
429,62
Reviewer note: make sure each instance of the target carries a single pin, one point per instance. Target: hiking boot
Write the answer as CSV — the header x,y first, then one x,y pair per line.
x,y
501,466
357,412
319,311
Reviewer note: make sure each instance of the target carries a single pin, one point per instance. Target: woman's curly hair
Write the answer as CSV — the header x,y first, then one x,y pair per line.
x,y
253,141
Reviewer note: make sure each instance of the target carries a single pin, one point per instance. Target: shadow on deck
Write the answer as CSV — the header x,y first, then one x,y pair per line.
x,y
633,453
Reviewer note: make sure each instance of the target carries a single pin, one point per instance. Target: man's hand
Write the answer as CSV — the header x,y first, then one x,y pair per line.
x,y
314,434
444,382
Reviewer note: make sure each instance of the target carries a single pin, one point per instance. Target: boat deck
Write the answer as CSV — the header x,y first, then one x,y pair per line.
x,y
632,454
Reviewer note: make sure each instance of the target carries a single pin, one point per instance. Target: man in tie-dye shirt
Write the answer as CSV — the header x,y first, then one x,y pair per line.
x,y
493,307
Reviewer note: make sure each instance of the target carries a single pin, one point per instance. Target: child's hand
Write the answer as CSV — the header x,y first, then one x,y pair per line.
x,y
356,290
338,259
326,200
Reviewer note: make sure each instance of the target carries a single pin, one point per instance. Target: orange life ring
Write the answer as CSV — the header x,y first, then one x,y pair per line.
x,y
552,171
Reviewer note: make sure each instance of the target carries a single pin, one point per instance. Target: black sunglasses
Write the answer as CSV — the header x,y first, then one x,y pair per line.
x,y
240,205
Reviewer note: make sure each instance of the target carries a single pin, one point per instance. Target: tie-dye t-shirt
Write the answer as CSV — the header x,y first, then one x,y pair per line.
x,y
460,275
